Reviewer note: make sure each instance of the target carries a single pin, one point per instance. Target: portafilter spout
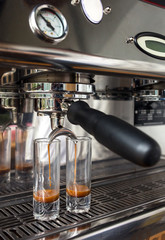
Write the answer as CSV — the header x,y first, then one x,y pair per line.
x,y
59,131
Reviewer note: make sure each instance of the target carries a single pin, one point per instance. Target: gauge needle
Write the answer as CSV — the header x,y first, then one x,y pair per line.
x,y
47,22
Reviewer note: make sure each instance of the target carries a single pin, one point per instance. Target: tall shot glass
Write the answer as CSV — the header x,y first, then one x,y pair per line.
x,y
5,155
78,174
24,153
46,187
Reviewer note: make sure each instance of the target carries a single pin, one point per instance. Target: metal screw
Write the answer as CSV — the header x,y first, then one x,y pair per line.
x,y
130,40
107,10
75,2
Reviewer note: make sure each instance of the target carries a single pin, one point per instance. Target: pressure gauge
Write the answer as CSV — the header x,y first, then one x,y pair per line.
x,y
48,23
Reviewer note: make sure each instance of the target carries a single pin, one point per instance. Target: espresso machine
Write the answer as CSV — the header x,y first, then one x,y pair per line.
x,y
95,68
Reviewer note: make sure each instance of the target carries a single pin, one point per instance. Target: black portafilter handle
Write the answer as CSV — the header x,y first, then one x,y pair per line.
x,y
116,134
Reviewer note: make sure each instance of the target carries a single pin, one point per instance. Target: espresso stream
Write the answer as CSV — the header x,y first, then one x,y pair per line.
x,y
49,166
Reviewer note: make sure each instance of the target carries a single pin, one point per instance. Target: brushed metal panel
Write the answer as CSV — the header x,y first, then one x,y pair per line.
x,y
106,39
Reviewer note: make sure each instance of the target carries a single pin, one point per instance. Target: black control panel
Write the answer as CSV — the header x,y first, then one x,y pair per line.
x,y
149,112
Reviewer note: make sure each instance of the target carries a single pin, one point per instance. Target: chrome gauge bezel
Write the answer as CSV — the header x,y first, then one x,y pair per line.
x,y
36,29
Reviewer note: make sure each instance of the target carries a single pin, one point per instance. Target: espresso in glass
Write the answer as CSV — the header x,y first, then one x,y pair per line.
x,y
5,155
78,175
46,201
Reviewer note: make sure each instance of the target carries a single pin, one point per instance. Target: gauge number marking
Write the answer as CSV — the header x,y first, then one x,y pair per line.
x,y
50,24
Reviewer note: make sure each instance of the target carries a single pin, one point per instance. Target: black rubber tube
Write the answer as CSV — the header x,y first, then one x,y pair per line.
x,y
116,134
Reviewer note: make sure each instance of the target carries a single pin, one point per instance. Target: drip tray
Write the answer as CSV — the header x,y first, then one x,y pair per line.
x,y
113,199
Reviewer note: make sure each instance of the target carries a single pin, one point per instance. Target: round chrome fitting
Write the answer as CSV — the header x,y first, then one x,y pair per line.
x,y
58,85
58,90
53,91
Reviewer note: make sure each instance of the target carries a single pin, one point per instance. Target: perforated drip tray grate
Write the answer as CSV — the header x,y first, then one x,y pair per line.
x,y
115,199
15,187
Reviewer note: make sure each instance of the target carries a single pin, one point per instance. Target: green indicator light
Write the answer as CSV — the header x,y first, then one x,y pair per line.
x,y
156,46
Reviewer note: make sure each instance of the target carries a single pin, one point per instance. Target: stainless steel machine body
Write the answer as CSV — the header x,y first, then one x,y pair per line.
x,y
93,58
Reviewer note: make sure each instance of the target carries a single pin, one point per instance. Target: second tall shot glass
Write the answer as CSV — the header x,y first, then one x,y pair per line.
x,y
5,155
24,154
78,174
46,188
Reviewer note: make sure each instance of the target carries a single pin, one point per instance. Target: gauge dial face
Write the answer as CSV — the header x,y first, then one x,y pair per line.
x,y
48,23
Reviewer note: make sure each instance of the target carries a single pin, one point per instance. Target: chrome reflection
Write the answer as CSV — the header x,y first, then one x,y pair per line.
x,y
93,10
